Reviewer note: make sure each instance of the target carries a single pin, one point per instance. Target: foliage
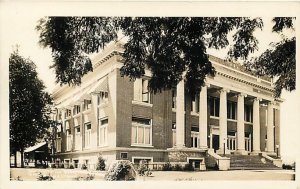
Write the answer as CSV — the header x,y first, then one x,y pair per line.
x,y
188,167
101,163
177,167
167,167
120,170
29,104
89,177
53,165
143,168
173,48
41,177
71,167
279,61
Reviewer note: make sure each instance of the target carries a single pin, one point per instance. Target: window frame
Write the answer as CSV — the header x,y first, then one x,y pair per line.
x,y
135,142
87,132
105,127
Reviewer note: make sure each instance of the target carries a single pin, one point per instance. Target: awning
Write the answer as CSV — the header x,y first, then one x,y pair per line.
x,y
101,86
32,148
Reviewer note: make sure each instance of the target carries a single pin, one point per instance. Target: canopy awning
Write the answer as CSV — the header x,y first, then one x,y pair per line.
x,y
37,146
101,86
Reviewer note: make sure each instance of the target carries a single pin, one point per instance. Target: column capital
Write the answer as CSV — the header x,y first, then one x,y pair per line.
x,y
257,99
241,95
226,90
271,103
206,85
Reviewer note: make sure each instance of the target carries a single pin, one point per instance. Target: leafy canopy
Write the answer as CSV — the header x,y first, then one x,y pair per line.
x,y
169,46
29,104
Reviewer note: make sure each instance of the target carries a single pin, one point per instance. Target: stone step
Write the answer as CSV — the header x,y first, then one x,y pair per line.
x,y
245,162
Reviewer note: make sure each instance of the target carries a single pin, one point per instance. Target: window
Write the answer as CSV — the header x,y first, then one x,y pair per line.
x,y
67,113
195,104
102,98
59,115
214,104
174,133
141,131
87,104
248,113
231,110
77,137
87,135
141,90
103,123
69,140
58,142
195,137
76,109
174,98
124,155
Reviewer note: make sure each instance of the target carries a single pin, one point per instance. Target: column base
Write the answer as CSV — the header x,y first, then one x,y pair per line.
x,y
241,152
256,152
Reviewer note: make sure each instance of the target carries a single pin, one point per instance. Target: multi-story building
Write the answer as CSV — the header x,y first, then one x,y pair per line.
x,y
235,112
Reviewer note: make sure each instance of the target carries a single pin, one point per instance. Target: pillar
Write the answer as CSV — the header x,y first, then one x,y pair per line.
x,y
270,129
256,126
180,115
223,121
203,117
241,124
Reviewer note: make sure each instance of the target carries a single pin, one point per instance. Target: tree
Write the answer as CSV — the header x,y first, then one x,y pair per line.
x,y
279,61
29,104
173,48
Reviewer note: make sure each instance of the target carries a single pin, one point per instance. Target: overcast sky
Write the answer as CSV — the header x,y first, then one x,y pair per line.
x,y
19,28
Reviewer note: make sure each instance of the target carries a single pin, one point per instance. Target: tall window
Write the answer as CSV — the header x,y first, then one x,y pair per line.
x,y
87,135
141,131
195,104
214,104
103,124
67,113
248,113
77,137
87,104
69,140
231,110
102,98
174,98
58,141
174,133
76,109
141,90
195,137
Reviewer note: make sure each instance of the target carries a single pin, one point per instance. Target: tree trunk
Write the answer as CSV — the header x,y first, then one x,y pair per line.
x,y
15,158
22,158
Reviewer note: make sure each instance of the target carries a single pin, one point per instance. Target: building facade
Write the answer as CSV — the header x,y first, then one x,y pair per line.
x,y
235,112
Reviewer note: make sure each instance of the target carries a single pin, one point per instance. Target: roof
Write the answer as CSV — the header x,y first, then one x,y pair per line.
x,y
37,146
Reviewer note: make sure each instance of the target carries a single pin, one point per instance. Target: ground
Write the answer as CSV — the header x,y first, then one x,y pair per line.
x,y
71,174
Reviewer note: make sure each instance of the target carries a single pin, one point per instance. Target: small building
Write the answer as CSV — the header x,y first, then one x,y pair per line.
x,y
235,113
37,155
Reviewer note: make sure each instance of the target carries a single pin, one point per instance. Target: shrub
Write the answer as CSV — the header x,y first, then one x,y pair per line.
x,y
167,167
83,167
87,178
188,167
62,165
143,169
100,164
44,178
120,170
71,167
53,165
177,167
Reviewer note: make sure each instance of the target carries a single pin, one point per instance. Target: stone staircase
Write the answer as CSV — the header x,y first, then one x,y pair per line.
x,y
250,162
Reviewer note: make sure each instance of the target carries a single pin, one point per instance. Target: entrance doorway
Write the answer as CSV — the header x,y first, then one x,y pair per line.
x,y
215,142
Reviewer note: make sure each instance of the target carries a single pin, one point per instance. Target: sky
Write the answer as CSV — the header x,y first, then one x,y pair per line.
x,y
19,29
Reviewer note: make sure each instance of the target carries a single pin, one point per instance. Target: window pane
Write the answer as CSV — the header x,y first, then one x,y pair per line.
x,y
134,135
147,135
141,135
217,106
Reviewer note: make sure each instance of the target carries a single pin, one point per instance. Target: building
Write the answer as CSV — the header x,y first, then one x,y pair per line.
x,y
235,112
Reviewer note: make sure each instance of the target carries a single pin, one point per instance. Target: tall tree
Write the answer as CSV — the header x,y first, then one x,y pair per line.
x,y
279,61
29,104
168,46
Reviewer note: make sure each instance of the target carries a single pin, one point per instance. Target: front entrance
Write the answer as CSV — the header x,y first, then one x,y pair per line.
x,y
215,142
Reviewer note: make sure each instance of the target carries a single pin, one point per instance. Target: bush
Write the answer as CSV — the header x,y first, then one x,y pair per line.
x,y
62,165
286,166
177,167
188,167
71,167
87,178
120,170
53,165
100,164
143,169
167,167
83,167
44,178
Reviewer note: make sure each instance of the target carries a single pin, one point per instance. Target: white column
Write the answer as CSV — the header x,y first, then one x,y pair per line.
x,y
270,129
240,124
203,117
223,121
180,117
256,126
